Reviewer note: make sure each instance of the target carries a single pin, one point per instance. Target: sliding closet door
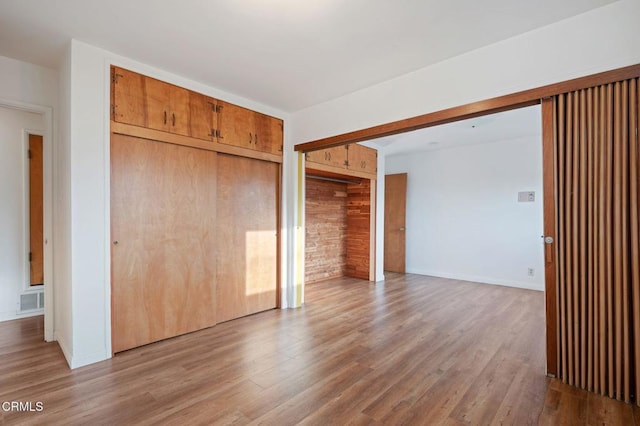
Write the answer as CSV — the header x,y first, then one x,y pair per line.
x,y
598,248
163,240
247,256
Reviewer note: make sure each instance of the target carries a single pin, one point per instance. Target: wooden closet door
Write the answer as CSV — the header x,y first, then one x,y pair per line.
x,y
247,212
163,240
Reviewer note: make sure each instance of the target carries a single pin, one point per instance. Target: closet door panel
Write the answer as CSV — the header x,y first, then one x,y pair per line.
x,y
247,206
163,240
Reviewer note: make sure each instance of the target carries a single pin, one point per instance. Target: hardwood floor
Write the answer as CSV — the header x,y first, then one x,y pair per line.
x,y
410,350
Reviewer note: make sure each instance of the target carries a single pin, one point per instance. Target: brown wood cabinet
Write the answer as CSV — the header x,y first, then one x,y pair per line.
x,y
167,107
128,104
249,129
362,158
150,103
353,160
188,250
203,116
334,157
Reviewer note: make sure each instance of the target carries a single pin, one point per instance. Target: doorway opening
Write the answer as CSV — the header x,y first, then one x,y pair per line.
x,y
473,200
26,222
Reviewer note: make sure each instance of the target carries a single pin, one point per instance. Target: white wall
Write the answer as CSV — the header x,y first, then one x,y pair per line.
x,y
14,245
464,220
62,220
599,40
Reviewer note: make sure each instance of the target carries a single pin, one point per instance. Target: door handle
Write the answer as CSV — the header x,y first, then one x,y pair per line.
x,y
548,249
402,228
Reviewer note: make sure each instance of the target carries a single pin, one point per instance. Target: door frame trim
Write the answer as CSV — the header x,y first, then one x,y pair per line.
x,y
48,143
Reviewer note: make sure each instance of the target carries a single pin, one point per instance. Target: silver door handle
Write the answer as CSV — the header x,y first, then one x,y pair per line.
x,y
548,240
402,228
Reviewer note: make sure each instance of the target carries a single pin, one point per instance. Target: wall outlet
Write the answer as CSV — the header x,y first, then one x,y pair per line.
x,y
530,272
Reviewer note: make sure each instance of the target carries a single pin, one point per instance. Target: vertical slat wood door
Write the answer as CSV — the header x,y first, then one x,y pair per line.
x,y
247,251
598,247
163,240
36,212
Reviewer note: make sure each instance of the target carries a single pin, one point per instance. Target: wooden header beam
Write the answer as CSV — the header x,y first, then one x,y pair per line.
x,y
474,109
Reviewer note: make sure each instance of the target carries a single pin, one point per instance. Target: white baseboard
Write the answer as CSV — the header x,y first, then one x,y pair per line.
x,y
478,279
86,359
8,316
68,355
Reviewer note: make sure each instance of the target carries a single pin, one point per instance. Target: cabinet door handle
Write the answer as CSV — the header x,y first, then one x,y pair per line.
x,y
250,138
363,164
165,118
173,119
256,139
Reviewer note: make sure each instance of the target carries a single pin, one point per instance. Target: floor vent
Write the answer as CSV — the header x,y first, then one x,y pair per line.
x,y
31,301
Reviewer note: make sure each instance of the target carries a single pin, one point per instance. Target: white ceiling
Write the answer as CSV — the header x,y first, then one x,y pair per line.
x,y
288,54
508,125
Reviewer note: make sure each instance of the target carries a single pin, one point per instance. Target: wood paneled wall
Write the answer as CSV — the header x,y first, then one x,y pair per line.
x,y
326,227
359,229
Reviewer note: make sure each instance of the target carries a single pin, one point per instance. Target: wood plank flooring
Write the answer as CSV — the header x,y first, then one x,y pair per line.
x,y
409,350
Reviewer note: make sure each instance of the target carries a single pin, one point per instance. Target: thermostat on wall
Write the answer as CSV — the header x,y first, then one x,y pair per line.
x,y
526,196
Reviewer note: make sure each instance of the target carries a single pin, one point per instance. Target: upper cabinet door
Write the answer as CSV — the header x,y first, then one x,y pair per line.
x,y
128,102
236,125
203,116
335,157
362,158
167,107
249,129
179,110
268,133
157,101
